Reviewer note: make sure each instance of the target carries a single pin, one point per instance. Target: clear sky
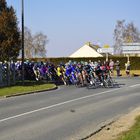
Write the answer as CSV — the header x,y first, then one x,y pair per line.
x,y
69,24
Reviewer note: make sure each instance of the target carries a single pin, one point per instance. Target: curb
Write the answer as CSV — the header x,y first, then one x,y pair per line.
x,y
26,93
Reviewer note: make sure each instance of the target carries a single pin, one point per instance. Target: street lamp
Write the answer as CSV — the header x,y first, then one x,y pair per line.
x,y
22,40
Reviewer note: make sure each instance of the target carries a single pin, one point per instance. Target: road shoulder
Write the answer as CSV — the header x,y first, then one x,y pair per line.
x,y
112,130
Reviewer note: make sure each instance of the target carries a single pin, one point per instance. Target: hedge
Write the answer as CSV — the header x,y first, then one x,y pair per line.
x,y
134,61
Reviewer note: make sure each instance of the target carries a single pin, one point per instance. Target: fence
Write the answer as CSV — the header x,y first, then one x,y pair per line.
x,y
7,74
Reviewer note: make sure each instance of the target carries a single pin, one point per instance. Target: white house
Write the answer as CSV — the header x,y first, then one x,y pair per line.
x,y
88,50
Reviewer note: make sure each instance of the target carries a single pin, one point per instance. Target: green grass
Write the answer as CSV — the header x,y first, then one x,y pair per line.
x,y
133,133
28,87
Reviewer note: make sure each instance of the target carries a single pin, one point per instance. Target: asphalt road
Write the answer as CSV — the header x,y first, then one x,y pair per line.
x,y
68,113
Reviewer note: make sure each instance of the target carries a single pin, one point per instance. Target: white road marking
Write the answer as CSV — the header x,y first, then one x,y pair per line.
x,y
55,105
135,85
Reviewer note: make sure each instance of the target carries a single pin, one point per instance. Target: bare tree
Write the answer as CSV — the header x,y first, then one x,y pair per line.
x,y
39,42
28,43
118,36
131,33
125,33
35,45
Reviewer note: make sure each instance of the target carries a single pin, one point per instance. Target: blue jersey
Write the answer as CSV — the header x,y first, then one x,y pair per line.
x,y
68,71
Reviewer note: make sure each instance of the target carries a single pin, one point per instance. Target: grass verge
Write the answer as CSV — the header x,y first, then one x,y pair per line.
x,y
133,133
28,87
132,72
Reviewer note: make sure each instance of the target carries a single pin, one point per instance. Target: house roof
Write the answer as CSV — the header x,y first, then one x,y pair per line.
x,y
88,50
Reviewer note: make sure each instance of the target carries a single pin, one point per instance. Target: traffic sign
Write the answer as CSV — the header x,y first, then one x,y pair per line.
x,y
131,49
105,50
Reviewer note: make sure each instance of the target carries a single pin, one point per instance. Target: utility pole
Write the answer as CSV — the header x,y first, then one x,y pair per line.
x,y
22,20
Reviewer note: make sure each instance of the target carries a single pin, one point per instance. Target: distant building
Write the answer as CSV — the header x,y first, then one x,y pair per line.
x,y
88,50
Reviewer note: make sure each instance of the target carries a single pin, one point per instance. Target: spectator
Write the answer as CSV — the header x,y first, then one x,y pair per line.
x,y
111,65
117,64
127,68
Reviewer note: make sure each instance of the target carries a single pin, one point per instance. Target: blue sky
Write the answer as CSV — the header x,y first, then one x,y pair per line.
x,y
69,24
